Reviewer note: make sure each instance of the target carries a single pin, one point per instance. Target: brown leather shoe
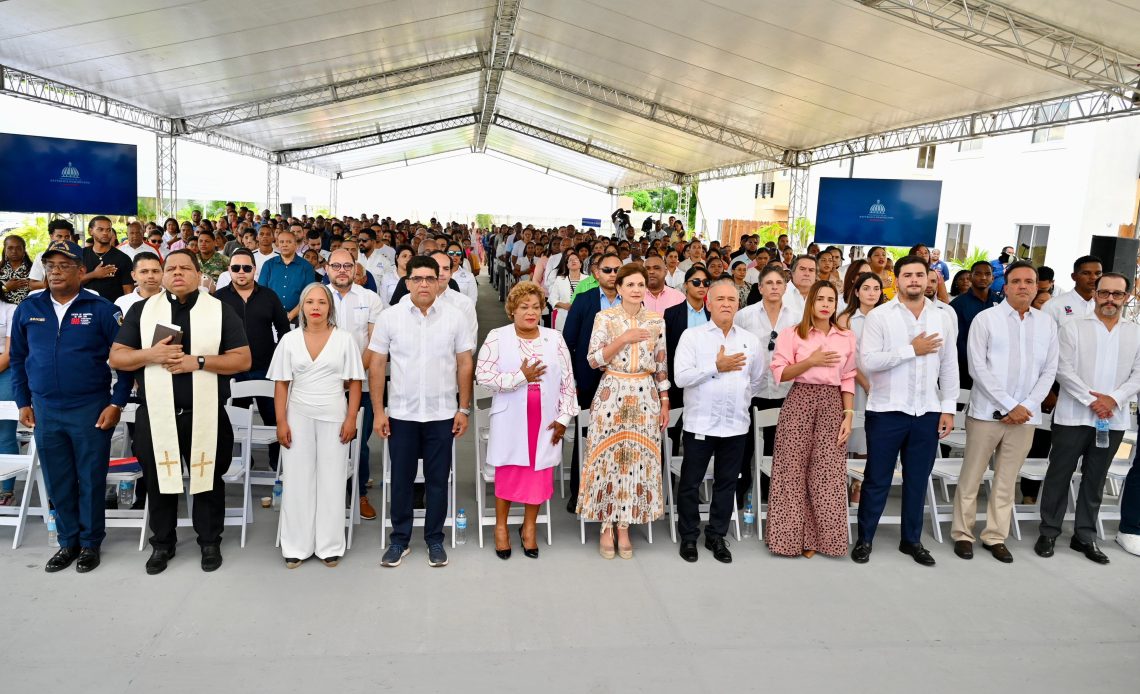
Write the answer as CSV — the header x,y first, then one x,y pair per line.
x,y
964,549
1000,552
366,510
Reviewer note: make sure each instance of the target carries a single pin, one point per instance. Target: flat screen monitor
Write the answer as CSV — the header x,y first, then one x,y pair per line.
x,y
877,211
51,174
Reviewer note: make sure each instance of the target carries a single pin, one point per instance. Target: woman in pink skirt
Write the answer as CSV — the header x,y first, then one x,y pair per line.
x,y
528,368
807,504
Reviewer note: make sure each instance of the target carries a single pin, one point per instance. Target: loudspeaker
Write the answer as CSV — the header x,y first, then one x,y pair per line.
x,y
1116,254
286,210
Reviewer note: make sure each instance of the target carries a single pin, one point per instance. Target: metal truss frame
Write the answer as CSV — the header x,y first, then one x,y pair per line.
x,y
1066,110
644,108
797,194
392,135
25,85
166,175
1022,37
334,188
502,40
343,90
273,188
588,148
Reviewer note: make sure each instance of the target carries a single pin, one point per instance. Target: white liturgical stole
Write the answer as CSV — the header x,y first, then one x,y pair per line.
x,y
205,339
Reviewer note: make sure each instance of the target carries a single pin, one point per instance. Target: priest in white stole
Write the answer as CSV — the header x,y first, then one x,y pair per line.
x,y
181,424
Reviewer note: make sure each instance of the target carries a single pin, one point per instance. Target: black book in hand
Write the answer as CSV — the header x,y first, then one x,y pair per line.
x,y
165,330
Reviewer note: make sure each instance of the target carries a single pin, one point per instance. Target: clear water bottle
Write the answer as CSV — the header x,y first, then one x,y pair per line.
x,y
1102,433
53,538
461,528
749,529
277,491
126,494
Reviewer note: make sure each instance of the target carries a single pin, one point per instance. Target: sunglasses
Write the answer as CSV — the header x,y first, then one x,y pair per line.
x,y
608,270
241,268
772,341
696,282
455,254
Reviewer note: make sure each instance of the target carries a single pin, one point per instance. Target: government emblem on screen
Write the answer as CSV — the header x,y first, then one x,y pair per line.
x,y
877,213
69,176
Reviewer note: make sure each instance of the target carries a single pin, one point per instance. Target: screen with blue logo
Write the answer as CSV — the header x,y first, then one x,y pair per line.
x,y
49,174
591,222
877,211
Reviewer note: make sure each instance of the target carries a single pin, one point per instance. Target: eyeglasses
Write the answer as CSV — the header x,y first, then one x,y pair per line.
x,y
608,270
697,282
62,267
241,268
1105,294
422,280
772,341
337,267
455,254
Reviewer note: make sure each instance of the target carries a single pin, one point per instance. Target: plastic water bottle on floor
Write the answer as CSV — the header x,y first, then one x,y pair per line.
x,y
277,491
126,494
1102,433
461,528
749,529
53,538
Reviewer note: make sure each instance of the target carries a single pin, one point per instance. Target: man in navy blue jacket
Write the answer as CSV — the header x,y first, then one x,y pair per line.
x,y
62,384
579,327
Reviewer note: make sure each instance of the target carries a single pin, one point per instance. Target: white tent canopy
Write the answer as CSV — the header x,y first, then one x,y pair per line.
x,y
618,94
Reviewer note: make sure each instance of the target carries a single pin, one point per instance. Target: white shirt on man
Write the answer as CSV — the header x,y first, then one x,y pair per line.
x,y
902,381
422,352
1068,305
126,301
467,284
716,404
755,320
355,311
1013,361
1093,358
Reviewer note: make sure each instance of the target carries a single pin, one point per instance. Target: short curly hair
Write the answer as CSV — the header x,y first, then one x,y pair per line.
x,y
521,291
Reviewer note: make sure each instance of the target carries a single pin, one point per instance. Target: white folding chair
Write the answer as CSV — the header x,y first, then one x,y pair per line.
x,y
761,419
352,513
948,471
127,517
241,419
673,467
1117,471
419,513
855,468
22,466
581,424
263,435
485,474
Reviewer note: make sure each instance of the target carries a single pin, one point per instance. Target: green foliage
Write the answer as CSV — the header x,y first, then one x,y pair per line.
x,y
771,232
641,202
800,233
975,256
484,221
321,211
211,209
147,209
655,200
897,252
35,235
691,222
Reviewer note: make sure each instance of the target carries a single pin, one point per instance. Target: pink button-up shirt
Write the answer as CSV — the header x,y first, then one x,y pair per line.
x,y
669,298
792,349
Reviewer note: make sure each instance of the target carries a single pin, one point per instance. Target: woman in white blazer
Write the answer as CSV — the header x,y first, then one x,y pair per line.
x,y
528,369
566,280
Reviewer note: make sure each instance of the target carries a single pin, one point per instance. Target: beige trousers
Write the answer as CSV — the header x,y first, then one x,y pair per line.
x,y
1007,444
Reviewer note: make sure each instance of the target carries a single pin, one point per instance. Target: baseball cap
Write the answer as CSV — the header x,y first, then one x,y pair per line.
x,y
67,248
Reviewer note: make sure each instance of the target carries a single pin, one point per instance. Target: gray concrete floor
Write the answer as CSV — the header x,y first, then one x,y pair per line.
x,y
569,621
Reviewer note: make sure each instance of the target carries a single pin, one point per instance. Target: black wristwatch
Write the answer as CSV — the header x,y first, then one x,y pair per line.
x,y
201,363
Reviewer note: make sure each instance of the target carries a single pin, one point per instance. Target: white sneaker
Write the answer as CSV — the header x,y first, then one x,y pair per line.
x,y
1129,542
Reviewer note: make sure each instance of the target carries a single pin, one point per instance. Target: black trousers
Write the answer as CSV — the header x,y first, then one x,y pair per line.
x,y
1071,443
699,449
744,486
209,507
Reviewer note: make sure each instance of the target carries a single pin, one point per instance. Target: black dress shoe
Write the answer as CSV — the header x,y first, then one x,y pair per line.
x,y
861,552
158,559
917,552
964,549
1044,546
88,559
61,559
529,553
572,505
1000,552
211,557
1089,549
719,548
689,551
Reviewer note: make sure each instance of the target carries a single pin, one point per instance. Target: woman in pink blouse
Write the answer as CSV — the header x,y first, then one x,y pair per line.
x,y
528,368
807,504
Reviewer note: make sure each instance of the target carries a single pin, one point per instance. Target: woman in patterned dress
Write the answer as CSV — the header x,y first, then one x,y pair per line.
x,y
807,504
527,367
621,478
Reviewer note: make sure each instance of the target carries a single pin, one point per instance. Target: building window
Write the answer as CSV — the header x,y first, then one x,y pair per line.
x,y
1050,113
926,156
1031,242
970,145
766,188
957,241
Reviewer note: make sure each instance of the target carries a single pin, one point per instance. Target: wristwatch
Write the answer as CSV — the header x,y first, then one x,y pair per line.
x,y
465,411
201,363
